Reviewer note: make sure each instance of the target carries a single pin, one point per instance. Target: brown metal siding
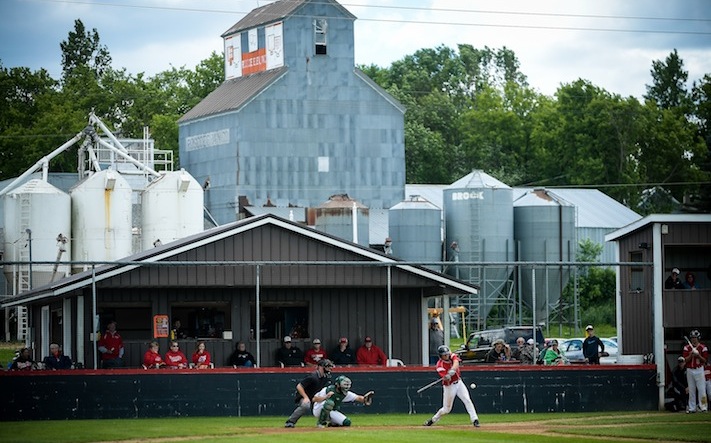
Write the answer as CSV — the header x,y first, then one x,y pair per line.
x,y
637,318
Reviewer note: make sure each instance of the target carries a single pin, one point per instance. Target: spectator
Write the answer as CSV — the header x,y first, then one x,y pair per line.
x,y
707,375
499,352
690,281
673,282
554,356
242,357
369,354
289,355
696,355
307,388
201,358
56,359
678,388
177,332
520,346
152,359
436,340
592,346
24,361
111,347
174,358
527,355
315,354
343,355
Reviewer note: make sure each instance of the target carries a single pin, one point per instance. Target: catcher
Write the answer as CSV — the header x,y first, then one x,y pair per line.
x,y
328,401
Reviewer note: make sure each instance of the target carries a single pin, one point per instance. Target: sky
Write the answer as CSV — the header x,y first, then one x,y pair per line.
x,y
611,43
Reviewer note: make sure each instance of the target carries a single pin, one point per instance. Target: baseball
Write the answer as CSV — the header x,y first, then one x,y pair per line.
x,y
473,385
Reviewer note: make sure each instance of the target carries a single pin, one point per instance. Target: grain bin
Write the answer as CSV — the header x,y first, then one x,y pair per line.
x,y
415,227
336,217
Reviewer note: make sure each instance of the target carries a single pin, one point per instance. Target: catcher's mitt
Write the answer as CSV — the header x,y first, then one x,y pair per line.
x,y
368,398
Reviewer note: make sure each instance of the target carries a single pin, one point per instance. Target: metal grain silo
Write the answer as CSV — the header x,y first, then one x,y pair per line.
x,y
343,217
478,216
544,230
172,208
101,216
37,218
415,228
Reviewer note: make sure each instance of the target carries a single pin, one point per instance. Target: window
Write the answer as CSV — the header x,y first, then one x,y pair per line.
x,y
320,30
202,321
636,273
280,319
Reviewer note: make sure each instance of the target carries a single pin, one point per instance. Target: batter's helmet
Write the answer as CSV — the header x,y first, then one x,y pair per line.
x,y
695,334
343,384
443,350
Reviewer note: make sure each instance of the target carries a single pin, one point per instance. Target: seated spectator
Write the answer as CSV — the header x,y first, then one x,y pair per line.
x,y
673,282
242,357
152,358
201,358
315,354
554,356
56,359
289,354
690,281
24,361
516,352
174,358
498,353
370,354
343,355
526,356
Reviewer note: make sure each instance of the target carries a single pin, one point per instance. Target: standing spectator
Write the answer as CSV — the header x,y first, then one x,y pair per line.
x,y
201,358
673,282
152,358
307,388
315,354
436,339
343,355
696,355
690,281
678,388
111,347
242,357
520,346
56,359
499,352
24,361
289,355
174,358
592,346
448,369
369,354
177,332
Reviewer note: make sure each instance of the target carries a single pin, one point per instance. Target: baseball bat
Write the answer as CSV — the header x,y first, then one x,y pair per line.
x,y
429,385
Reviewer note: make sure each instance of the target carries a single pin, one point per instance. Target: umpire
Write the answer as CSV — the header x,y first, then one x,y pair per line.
x,y
307,388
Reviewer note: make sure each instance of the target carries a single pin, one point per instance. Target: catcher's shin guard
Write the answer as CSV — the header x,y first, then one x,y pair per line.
x,y
325,415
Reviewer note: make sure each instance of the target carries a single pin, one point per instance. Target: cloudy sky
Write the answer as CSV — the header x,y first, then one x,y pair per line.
x,y
611,43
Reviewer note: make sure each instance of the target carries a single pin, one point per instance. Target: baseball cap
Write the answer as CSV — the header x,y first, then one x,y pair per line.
x,y
676,271
368,339
343,340
589,327
287,339
316,341
530,341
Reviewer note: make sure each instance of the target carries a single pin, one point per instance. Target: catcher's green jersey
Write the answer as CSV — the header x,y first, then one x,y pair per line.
x,y
337,396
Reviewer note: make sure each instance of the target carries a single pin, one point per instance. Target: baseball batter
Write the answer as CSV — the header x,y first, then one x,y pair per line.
x,y
328,401
448,369
696,355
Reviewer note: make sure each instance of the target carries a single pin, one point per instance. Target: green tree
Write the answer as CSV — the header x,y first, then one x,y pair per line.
x,y
83,49
668,88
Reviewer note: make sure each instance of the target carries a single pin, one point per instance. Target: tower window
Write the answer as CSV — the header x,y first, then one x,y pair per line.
x,y
320,30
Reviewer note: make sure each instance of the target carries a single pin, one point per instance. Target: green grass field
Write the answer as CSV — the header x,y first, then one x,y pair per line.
x,y
396,428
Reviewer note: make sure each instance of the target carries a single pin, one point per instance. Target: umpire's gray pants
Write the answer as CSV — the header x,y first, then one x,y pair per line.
x,y
303,408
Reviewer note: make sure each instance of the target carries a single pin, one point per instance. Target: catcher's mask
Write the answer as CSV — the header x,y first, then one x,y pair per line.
x,y
443,351
343,384
327,365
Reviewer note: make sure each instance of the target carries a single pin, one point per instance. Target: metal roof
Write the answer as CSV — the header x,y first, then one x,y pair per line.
x,y
274,12
478,179
658,218
234,94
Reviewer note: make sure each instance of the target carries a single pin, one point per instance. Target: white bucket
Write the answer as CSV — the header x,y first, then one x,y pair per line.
x,y
630,359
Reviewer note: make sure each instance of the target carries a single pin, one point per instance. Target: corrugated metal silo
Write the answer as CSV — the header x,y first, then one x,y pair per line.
x,y
172,208
478,215
45,211
336,216
544,230
101,215
415,227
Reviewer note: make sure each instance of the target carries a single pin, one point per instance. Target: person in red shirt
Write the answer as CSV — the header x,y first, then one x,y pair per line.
x,y
152,358
174,358
201,358
696,355
369,354
111,347
448,369
315,354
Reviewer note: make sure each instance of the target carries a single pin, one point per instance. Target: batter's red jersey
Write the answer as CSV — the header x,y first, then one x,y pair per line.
x,y
695,361
443,367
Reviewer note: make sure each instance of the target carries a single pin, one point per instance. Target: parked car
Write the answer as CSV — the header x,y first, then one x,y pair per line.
x,y
573,350
481,342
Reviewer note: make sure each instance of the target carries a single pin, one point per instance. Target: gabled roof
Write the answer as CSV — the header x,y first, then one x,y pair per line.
x,y
233,94
170,250
385,94
657,218
274,12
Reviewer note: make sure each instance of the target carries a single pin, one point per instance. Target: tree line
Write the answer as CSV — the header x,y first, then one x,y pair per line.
x,y
467,108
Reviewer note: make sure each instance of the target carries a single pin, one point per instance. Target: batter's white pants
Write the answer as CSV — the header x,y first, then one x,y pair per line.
x,y
697,389
458,389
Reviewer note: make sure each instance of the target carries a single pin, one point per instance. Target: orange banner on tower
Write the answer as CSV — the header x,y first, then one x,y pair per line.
x,y
255,61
